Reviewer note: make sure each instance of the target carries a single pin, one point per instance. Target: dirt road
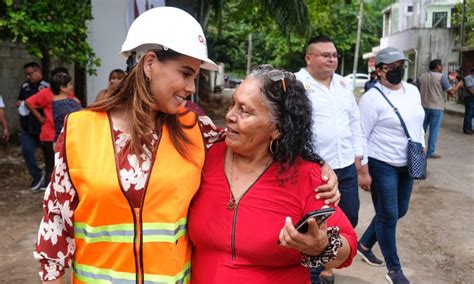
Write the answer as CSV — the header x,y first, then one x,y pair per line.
x,y
435,239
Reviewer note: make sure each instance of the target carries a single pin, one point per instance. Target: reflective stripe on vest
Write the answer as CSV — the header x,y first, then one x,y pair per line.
x,y
152,232
88,274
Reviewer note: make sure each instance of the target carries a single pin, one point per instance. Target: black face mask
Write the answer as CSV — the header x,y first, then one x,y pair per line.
x,y
395,76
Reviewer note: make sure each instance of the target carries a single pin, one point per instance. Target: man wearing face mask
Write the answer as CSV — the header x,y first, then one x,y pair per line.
x,y
433,84
384,172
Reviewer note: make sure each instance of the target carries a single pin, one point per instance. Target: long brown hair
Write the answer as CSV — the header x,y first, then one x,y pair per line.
x,y
134,93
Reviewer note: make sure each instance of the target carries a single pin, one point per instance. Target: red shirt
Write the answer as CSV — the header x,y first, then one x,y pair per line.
x,y
240,245
44,100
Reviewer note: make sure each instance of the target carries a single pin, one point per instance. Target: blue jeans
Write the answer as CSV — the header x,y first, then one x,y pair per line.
x,y
349,188
349,203
433,118
468,113
314,273
391,190
29,143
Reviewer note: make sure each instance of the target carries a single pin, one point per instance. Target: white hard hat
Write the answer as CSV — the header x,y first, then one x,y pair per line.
x,y
167,27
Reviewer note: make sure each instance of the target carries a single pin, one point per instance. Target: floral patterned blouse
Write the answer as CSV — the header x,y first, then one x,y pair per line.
x,y
55,246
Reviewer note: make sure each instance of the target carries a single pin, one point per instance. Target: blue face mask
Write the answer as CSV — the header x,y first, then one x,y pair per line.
x,y
395,76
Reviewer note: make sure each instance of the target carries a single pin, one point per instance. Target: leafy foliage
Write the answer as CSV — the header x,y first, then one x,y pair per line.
x,y
468,22
50,29
276,43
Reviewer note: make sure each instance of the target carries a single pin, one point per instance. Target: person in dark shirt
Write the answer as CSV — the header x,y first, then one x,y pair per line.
x,y
30,126
373,79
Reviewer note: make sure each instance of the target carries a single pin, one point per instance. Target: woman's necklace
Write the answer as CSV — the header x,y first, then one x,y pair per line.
x,y
232,200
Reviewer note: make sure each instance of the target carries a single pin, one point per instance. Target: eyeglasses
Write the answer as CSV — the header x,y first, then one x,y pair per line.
x,y
387,68
326,55
30,73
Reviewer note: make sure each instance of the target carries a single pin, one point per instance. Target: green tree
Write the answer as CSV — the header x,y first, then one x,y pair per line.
x,y
291,16
247,16
468,31
284,48
50,29
338,19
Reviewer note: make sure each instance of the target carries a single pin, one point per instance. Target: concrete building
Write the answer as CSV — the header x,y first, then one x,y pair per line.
x,y
108,30
12,58
422,30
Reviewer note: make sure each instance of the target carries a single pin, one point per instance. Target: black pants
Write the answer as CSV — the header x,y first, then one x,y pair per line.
x,y
48,152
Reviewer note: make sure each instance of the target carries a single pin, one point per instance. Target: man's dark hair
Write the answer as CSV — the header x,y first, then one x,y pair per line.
x,y
59,69
59,80
32,64
434,63
318,39
472,70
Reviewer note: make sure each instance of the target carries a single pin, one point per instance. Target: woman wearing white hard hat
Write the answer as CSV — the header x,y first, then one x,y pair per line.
x,y
128,166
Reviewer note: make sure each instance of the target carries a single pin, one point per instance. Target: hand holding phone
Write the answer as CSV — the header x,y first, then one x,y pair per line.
x,y
320,215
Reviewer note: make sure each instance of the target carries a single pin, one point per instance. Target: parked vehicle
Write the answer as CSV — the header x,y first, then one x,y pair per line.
x,y
360,79
231,82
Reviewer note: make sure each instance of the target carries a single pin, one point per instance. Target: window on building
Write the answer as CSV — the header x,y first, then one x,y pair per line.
x,y
440,20
410,9
387,23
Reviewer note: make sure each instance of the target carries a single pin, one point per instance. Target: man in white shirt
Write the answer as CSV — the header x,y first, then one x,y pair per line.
x,y
337,135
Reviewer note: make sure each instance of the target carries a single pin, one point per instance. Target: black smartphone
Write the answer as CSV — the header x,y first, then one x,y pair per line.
x,y
320,215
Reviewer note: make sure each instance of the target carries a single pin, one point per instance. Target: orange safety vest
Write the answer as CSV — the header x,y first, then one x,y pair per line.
x,y
116,243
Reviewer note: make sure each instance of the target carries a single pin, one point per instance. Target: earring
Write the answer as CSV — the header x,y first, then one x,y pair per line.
x,y
274,146
148,78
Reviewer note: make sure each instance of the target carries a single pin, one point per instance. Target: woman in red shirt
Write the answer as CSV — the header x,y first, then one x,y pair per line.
x,y
257,184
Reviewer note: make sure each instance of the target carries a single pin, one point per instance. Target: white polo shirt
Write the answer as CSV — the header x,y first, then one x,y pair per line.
x,y
337,135
386,140
2,104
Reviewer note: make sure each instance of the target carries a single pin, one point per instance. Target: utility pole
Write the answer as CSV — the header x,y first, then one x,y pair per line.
x,y
356,53
249,53
461,39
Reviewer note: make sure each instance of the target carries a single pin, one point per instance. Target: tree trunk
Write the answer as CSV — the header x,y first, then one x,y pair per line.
x,y
190,6
45,63
80,85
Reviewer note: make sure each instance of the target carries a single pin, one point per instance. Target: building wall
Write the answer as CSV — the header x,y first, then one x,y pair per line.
x,y
106,34
12,58
423,45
